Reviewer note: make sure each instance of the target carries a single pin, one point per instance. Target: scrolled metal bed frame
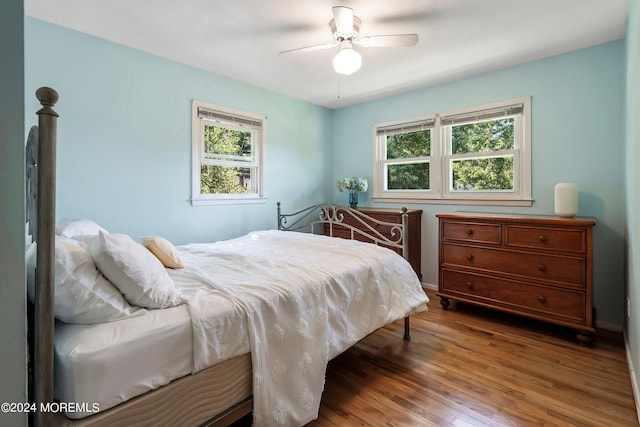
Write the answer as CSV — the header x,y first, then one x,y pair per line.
x,y
40,178
328,217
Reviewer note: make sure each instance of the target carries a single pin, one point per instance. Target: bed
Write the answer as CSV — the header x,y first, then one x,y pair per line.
x,y
217,331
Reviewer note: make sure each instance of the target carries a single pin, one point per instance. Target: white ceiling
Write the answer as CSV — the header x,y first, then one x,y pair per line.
x,y
242,39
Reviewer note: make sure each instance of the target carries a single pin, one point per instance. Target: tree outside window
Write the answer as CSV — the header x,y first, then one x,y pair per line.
x,y
227,155
480,154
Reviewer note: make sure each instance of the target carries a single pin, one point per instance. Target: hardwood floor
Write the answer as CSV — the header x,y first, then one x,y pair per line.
x,y
473,367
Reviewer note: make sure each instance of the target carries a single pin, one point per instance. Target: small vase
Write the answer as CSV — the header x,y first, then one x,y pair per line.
x,y
353,200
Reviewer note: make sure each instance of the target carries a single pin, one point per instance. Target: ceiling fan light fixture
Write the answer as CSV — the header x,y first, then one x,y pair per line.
x,y
345,28
347,61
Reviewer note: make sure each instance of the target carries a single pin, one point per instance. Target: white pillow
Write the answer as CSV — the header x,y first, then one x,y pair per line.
x,y
134,270
163,250
78,227
81,293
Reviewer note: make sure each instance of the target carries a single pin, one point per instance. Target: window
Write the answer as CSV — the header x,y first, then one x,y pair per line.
x,y
227,155
479,155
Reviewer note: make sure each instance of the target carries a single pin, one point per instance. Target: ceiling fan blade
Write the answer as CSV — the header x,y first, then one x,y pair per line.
x,y
343,17
391,40
310,48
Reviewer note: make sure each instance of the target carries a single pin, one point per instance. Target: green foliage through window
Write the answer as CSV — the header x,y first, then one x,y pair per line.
x,y
492,135
489,173
413,176
483,174
410,145
224,144
407,145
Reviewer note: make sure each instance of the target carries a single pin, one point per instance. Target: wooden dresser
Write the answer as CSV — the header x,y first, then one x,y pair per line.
x,y
413,234
535,266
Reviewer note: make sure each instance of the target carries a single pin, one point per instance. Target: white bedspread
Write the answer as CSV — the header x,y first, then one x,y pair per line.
x,y
307,298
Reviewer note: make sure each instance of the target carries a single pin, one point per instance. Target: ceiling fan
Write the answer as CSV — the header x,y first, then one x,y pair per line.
x,y
345,27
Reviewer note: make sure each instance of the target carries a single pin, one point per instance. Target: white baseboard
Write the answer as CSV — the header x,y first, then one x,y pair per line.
x,y
430,286
632,375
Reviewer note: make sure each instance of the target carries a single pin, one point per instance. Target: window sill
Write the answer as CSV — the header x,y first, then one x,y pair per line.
x,y
229,201
475,202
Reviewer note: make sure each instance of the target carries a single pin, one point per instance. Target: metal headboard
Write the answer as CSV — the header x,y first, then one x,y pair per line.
x,y
328,217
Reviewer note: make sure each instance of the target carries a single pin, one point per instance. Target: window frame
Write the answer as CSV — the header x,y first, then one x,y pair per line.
x,y
441,189
380,158
235,121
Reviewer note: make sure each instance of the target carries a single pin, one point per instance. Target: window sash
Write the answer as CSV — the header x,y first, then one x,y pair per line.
x,y
502,154
251,188
414,161
476,117
229,159
231,162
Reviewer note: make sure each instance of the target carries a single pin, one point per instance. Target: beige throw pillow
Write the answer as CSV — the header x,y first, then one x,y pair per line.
x,y
163,250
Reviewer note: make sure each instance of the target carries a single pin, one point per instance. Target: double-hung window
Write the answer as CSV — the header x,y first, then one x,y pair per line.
x,y
480,155
227,155
406,157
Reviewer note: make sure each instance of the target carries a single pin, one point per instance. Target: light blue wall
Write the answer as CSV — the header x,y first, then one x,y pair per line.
x,y
577,136
124,144
632,155
13,370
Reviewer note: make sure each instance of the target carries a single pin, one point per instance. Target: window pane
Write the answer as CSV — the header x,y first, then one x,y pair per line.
x,y
408,176
483,174
227,144
225,180
408,145
492,135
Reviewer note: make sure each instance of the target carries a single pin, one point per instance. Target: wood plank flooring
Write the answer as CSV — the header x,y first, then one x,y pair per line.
x,y
474,367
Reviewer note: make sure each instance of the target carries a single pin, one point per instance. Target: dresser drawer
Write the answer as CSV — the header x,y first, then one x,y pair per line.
x,y
471,232
563,270
385,217
566,240
561,303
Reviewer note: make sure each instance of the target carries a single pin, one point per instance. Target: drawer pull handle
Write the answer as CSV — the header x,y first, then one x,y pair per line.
x,y
542,238
469,232
542,299
470,257
469,285
541,267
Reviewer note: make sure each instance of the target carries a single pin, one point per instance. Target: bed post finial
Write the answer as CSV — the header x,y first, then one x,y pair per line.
x,y
48,98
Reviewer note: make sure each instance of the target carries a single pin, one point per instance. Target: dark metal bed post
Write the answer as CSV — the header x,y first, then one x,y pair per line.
x,y
45,238
405,254
279,217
